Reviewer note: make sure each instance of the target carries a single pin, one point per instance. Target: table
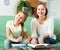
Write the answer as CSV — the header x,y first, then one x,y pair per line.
x,y
49,47
30,49
40,47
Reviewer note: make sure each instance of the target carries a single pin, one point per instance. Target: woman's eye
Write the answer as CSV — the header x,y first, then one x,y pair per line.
x,y
38,9
44,9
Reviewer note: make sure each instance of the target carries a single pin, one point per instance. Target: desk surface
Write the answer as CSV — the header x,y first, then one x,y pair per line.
x,y
50,47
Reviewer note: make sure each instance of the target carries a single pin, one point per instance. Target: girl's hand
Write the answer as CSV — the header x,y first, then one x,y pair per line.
x,y
26,41
19,39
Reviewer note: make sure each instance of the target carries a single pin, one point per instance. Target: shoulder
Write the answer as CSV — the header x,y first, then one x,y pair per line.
x,y
24,29
50,19
8,23
34,20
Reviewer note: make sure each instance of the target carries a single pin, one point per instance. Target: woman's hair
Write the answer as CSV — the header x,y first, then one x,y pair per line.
x,y
44,4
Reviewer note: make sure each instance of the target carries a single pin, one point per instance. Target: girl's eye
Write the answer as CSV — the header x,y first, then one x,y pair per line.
x,y
21,17
18,15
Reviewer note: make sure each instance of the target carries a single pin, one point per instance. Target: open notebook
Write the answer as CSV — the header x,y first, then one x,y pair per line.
x,y
36,45
31,45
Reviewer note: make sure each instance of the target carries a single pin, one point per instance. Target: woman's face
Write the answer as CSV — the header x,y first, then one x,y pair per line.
x,y
20,17
41,10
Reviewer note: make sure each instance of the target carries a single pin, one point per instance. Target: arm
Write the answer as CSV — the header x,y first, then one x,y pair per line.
x,y
34,32
33,26
8,35
28,37
50,27
48,31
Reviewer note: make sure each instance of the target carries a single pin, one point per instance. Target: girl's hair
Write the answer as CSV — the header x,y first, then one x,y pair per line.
x,y
22,29
44,4
22,24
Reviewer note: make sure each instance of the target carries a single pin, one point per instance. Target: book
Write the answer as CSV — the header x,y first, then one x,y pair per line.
x,y
37,45
30,45
18,45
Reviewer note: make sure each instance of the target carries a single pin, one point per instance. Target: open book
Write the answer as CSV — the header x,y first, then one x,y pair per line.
x,y
30,45
36,45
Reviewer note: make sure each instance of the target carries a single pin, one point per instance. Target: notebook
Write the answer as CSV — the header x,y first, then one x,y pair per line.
x,y
35,45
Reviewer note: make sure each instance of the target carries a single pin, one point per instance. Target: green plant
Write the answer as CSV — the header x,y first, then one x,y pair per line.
x,y
23,4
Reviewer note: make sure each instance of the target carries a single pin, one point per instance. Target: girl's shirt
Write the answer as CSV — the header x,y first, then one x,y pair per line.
x,y
15,30
38,29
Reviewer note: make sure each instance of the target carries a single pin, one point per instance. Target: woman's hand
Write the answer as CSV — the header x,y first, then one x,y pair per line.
x,y
40,40
33,41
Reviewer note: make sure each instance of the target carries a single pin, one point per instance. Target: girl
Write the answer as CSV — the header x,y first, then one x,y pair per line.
x,y
15,30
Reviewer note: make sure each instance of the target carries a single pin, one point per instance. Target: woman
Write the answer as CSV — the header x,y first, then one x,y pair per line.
x,y
15,30
42,27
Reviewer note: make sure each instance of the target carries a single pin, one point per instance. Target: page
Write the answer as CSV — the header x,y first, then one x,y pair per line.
x,y
34,45
18,45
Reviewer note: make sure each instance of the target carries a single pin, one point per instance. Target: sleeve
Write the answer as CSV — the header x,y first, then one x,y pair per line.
x,y
25,29
33,29
7,24
50,27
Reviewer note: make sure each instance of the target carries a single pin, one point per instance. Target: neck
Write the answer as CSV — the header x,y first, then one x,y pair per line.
x,y
41,20
15,23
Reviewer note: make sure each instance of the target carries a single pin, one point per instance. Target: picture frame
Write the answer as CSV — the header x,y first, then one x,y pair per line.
x,y
6,2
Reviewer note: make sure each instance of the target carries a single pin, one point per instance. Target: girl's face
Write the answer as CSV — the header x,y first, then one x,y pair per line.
x,y
41,10
20,17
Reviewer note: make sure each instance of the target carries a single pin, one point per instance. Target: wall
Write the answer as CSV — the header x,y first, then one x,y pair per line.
x,y
8,10
53,8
